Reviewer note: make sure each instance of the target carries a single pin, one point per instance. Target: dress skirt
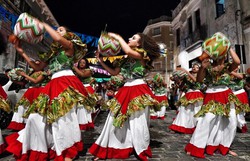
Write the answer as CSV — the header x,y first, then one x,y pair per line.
x,y
52,129
190,104
18,122
216,126
126,130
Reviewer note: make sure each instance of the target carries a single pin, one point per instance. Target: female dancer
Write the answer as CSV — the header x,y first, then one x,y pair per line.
x,y
237,86
127,126
4,103
36,82
159,88
189,104
216,126
84,73
52,129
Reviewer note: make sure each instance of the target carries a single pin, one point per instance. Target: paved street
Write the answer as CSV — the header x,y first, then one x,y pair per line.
x,y
165,145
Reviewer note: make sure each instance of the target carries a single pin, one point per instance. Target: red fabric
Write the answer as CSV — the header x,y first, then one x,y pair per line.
x,y
16,125
211,149
90,89
243,97
181,129
161,118
2,148
153,117
223,150
244,129
32,93
194,95
58,85
127,93
145,154
195,151
87,126
221,97
161,98
15,147
110,153
3,93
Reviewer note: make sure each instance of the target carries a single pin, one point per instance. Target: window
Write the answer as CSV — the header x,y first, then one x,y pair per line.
x,y
198,18
178,41
190,27
157,31
220,7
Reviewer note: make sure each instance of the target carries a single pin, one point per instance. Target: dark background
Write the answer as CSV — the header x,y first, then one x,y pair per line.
x,y
125,17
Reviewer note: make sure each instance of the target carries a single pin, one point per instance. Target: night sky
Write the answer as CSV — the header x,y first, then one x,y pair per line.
x,y
125,17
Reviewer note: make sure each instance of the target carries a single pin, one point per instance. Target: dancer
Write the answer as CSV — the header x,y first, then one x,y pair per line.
x,y
189,104
84,73
217,122
5,108
52,129
237,86
37,79
159,88
126,129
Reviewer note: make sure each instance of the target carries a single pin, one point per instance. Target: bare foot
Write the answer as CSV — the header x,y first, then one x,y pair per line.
x,y
67,159
95,158
232,153
188,153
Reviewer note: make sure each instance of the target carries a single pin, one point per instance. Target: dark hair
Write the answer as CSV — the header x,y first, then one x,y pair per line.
x,y
3,43
150,46
86,61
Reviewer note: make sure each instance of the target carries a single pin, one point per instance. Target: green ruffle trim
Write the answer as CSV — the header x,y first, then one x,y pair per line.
x,y
137,104
24,102
240,107
183,101
59,106
161,104
5,104
218,108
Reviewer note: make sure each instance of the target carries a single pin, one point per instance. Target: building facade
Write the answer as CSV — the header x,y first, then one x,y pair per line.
x,y
160,29
196,20
9,12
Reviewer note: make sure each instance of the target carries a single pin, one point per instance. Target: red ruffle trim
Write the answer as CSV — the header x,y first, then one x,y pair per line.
x,y
181,129
195,151
156,117
87,126
16,126
15,147
110,153
194,95
199,152
161,98
2,148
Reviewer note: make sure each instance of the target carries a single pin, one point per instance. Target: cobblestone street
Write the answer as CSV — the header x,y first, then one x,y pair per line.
x,y
165,145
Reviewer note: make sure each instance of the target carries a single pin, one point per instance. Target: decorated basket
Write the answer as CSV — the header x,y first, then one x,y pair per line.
x,y
179,74
108,46
158,79
217,46
28,29
13,74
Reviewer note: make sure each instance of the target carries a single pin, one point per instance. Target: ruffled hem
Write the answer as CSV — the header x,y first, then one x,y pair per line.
x,y
16,126
218,107
87,126
60,105
195,151
112,153
15,147
156,117
2,148
5,104
199,152
181,129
